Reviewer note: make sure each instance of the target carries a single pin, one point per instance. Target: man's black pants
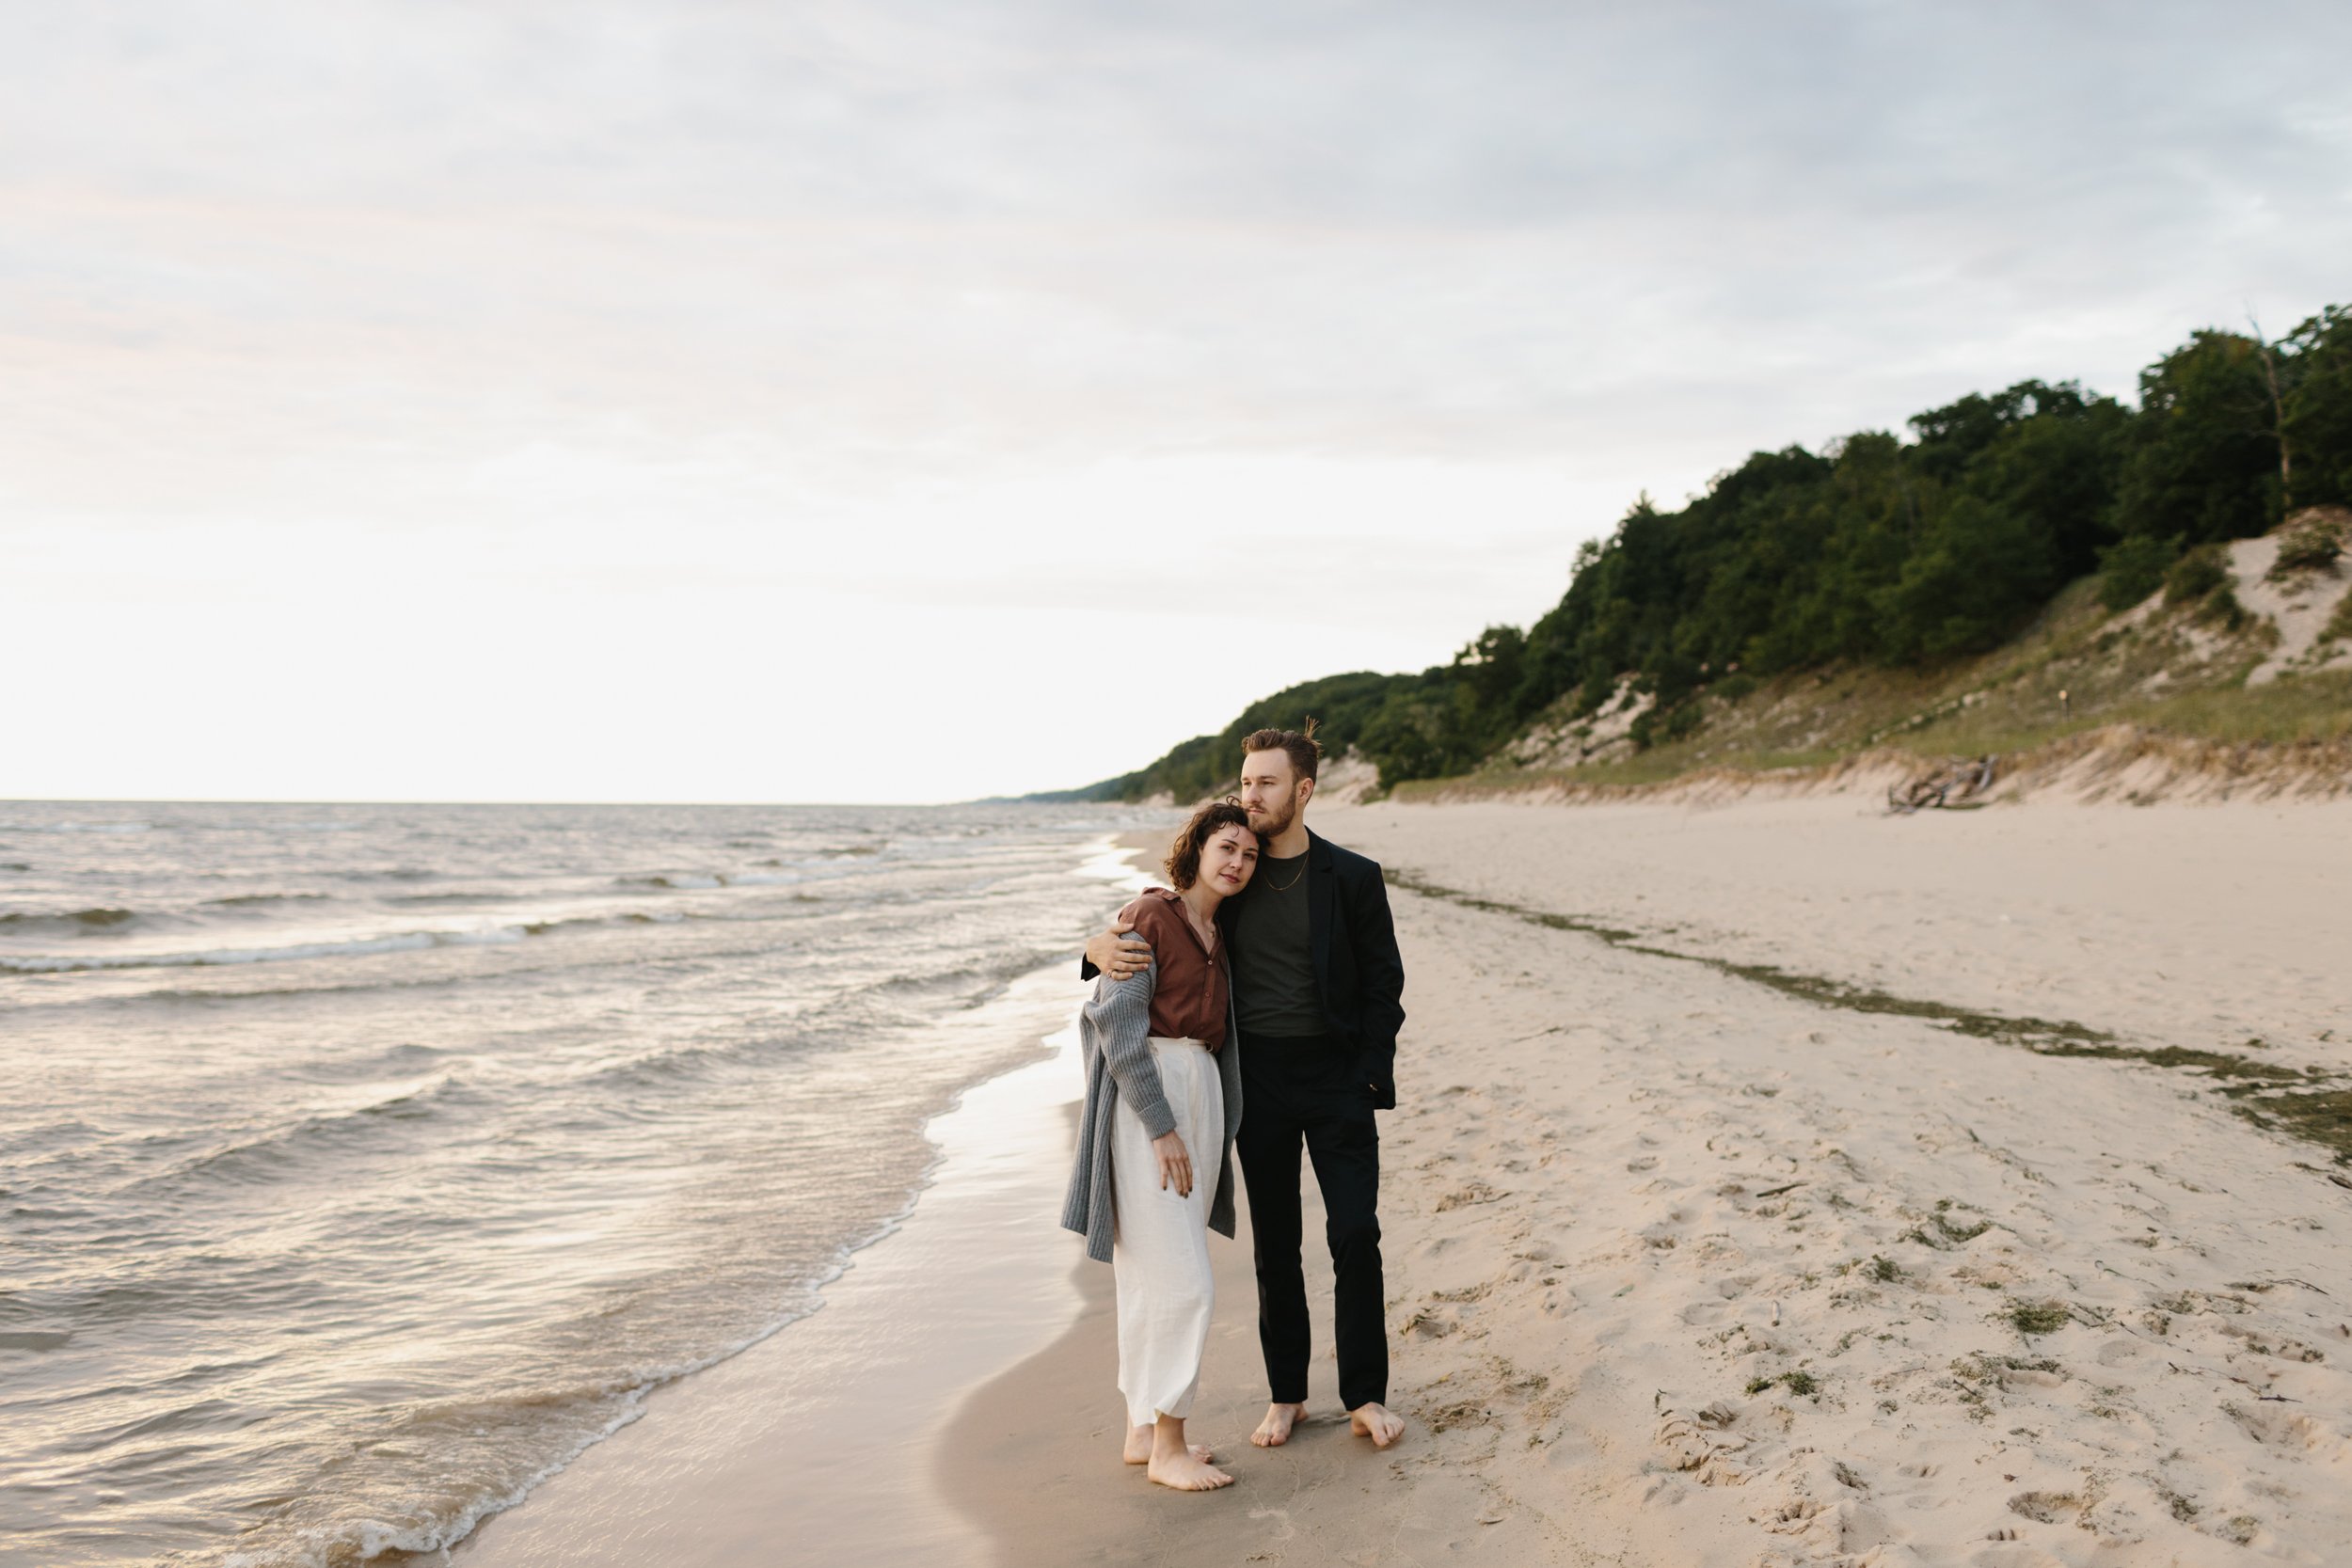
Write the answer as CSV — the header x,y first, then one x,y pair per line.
x,y
1306,1089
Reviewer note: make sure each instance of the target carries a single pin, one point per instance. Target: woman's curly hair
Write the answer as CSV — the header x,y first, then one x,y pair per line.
x,y
1183,856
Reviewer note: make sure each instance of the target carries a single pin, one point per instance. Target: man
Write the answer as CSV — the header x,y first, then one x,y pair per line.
x,y
1316,985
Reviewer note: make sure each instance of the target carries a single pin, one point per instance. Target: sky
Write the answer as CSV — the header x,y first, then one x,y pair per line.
x,y
902,400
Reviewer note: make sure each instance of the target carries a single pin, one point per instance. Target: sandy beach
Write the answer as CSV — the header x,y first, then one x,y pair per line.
x,y
1772,1183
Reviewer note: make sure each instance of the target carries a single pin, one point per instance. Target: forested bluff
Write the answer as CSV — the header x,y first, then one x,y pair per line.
x,y
1876,553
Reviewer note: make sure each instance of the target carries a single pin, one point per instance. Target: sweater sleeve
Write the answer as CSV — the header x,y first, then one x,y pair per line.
x,y
1121,1011
1132,914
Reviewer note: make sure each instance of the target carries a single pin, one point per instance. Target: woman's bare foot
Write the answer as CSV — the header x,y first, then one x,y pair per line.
x,y
1275,1430
1140,1448
1376,1421
1177,1463
1185,1473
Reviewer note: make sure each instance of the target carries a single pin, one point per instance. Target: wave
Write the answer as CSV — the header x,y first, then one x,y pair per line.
x,y
400,941
229,996
974,983
410,1103
633,917
848,1020
680,881
14,865
356,947
366,1540
845,1022
338,988
75,920
673,1063
246,900
454,897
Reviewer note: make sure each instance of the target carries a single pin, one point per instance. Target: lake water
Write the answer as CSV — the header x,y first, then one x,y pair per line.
x,y
362,1164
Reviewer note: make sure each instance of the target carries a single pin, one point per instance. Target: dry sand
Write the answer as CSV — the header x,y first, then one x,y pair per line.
x,y
1775,1184
1693,1263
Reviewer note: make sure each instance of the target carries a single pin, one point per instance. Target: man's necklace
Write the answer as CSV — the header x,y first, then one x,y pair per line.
x,y
1285,887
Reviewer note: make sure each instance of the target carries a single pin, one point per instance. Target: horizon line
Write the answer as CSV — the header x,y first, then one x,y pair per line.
x,y
357,800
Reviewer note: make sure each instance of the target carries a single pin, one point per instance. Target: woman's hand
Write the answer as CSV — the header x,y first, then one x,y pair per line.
x,y
1117,953
1175,1164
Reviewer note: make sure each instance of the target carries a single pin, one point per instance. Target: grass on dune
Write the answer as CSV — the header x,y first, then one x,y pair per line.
x,y
2291,712
2077,669
2296,710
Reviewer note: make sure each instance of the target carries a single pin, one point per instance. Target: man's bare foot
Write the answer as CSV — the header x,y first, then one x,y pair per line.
x,y
1140,1448
1376,1421
1275,1430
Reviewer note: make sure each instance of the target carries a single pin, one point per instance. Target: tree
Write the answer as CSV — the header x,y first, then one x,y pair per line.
x,y
1981,570
2058,470
1873,549
2317,369
2204,457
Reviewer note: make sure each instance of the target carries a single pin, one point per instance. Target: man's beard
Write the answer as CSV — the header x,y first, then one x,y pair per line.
x,y
1275,824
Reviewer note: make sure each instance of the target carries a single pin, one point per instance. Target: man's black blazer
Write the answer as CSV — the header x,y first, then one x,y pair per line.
x,y
1360,977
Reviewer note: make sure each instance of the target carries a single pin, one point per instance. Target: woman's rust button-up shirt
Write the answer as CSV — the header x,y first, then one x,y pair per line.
x,y
1189,999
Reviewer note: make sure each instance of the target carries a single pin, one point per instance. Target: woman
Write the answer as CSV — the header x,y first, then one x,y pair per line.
x,y
1162,1087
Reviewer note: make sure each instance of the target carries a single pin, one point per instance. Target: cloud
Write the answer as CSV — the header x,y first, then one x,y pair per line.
x,y
616,289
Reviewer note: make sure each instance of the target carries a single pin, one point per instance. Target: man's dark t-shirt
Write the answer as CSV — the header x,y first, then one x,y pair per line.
x,y
1272,952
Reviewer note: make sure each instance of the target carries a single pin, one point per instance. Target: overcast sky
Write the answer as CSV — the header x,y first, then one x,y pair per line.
x,y
896,401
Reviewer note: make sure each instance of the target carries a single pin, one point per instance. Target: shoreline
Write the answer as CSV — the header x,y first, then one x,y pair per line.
x,y
826,1424
1706,1246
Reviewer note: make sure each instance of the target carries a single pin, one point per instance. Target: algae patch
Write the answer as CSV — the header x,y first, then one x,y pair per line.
x,y
2318,1111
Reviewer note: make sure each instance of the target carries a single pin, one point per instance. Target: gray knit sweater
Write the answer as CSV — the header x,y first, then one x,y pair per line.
x,y
1114,1034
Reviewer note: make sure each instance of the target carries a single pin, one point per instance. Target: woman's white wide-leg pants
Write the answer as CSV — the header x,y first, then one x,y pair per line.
x,y
1160,1249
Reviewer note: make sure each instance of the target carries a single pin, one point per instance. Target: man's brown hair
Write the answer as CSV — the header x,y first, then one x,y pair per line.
x,y
1306,752
1183,856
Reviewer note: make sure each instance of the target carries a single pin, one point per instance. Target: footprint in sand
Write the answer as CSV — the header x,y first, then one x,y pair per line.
x,y
2045,1508
1281,1517
1696,1443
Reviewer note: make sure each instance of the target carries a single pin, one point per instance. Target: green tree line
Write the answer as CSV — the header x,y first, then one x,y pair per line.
x,y
1875,549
